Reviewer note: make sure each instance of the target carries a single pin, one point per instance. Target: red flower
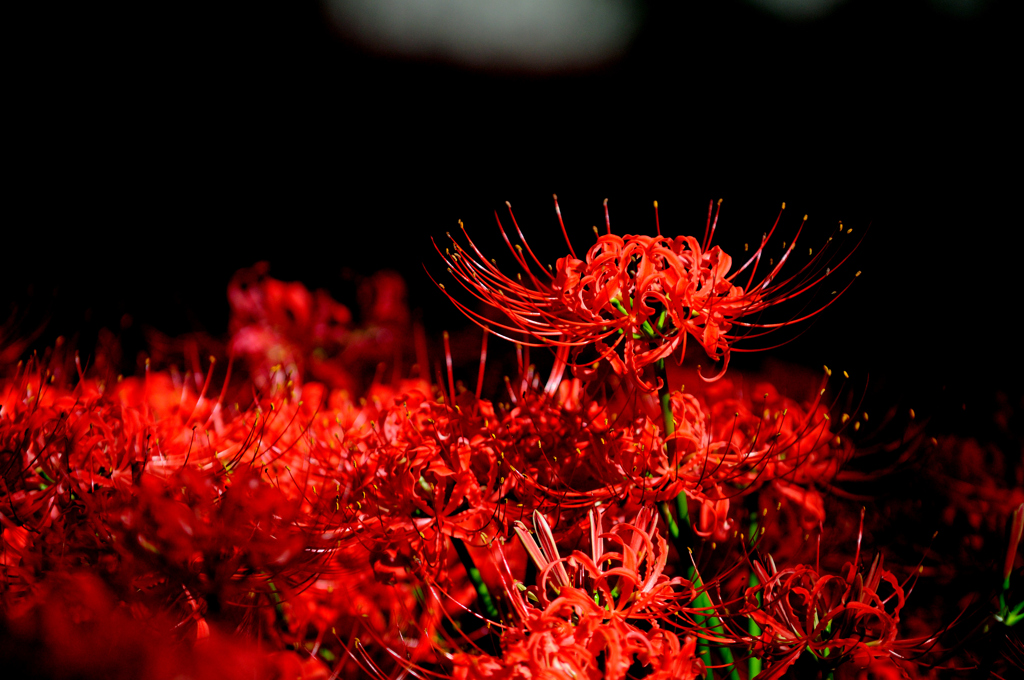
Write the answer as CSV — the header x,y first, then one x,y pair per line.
x,y
642,294
280,324
837,619
593,615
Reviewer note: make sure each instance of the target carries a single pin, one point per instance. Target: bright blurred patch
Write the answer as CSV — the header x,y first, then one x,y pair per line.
x,y
533,35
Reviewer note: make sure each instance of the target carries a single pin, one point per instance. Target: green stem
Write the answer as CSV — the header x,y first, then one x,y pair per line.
x,y
715,624
482,593
753,663
705,654
702,601
1012,617
703,650
683,509
673,528
645,326
665,397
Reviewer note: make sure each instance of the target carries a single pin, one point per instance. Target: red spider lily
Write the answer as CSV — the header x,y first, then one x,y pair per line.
x,y
280,324
576,450
274,323
646,294
977,481
758,439
596,615
837,619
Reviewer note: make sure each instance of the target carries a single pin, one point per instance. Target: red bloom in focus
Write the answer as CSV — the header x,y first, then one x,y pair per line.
x,y
646,294
593,615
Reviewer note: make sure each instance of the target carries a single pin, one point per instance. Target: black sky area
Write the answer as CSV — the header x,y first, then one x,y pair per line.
x,y
156,150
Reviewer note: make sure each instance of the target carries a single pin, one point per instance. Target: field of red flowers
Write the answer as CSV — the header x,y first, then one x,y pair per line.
x,y
312,497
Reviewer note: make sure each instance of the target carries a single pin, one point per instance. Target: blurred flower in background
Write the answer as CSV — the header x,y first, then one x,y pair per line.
x,y
529,35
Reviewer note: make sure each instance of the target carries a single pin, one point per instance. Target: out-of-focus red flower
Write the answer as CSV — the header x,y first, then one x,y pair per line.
x,y
279,324
282,329
74,627
980,482
851,618
1016,530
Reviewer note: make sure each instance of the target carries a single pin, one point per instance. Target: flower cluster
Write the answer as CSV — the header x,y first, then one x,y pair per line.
x,y
304,506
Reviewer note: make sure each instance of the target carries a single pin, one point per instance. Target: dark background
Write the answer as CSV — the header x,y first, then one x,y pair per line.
x,y
156,150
